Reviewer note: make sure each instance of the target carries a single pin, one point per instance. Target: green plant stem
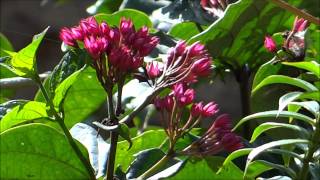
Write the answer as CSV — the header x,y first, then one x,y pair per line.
x,y
296,11
157,166
66,131
313,145
113,137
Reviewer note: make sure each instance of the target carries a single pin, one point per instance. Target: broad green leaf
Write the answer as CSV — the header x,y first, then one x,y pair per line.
x,y
104,6
206,168
273,114
287,98
145,159
63,88
265,70
147,140
25,113
24,62
258,150
234,155
5,45
9,105
271,125
311,66
83,98
184,30
124,132
37,151
138,18
280,79
259,166
237,38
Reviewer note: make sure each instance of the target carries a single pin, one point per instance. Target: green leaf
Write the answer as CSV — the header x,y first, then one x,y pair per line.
x,y
83,98
147,140
287,98
311,66
258,150
206,168
280,79
104,6
37,151
124,132
236,154
311,95
271,125
274,114
311,106
184,30
265,70
138,18
25,113
9,105
237,37
5,45
24,62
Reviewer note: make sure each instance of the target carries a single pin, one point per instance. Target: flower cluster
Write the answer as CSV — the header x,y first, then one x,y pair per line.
x,y
216,139
183,64
294,44
121,48
214,7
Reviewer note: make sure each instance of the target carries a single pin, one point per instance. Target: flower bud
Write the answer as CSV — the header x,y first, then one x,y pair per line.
x,y
104,29
126,26
154,69
210,109
196,109
196,49
77,33
95,47
148,46
66,37
90,26
231,142
270,44
299,24
202,67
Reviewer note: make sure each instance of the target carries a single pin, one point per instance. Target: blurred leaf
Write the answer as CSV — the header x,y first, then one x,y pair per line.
x,y
25,113
271,125
38,151
287,98
124,132
5,45
207,168
147,6
311,106
147,140
280,79
83,98
184,30
104,6
9,105
237,37
273,114
265,70
258,150
311,95
138,18
23,63
311,66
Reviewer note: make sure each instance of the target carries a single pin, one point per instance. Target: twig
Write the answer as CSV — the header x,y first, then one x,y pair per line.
x,y
296,11
18,82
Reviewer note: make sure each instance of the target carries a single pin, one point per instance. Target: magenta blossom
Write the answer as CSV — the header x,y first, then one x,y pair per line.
x,y
209,109
299,24
196,109
67,37
270,44
154,69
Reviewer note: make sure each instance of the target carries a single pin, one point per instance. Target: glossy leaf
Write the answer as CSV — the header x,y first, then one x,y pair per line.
x,y
311,106
258,150
138,18
265,70
147,140
104,6
273,114
5,45
184,30
38,151
272,125
287,98
236,154
25,113
311,66
9,105
280,79
124,132
23,62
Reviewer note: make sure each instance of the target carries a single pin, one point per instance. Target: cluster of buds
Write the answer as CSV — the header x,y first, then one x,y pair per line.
x,y
294,43
121,49
214,7
216,139
183,64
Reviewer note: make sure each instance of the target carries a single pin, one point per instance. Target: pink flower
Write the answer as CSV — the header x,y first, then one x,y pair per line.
x,y
126,27
67,37
196,109
210,109
299,24
104,29
231,142
183,96
202,67
95,46
154,69
270,44
90,26
77,33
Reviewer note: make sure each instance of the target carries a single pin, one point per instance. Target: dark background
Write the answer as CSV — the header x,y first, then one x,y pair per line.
x,y
21,19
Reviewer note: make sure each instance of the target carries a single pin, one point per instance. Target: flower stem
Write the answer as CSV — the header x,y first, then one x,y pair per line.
x,y
313,146
296,11
65,130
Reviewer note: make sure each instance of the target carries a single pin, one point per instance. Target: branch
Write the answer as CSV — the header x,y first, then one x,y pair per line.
x,y
18,82
296,11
